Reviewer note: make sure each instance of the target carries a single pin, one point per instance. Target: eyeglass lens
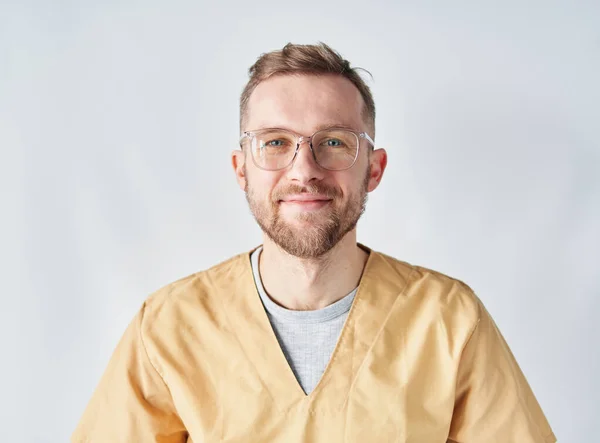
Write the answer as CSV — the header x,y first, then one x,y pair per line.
x,y
334,149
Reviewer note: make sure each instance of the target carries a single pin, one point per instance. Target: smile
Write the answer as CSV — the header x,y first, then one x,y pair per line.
x,y
306,205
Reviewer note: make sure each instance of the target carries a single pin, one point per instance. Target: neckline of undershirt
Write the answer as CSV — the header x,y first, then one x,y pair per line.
x,y
334,310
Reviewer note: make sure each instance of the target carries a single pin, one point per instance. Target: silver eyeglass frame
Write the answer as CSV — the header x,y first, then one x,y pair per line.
x,y
251,135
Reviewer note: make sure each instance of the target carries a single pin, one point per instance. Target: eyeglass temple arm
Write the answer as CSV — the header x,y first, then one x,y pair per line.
x,y
244,135
368,138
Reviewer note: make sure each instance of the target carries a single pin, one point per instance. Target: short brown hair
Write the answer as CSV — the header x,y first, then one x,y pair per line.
x,y
317,59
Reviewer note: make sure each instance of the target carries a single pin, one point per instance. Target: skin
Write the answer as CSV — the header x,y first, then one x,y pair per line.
x,y
310,243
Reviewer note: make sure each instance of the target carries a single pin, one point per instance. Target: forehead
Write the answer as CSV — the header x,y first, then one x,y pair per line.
x,y
305,103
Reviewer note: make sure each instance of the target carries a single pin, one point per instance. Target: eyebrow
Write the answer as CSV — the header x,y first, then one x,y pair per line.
x,y
335,125
320,127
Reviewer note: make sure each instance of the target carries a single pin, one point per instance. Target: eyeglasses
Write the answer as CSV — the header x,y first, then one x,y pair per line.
x,y
334,149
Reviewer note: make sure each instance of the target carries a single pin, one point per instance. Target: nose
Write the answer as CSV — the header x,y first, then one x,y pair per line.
x,y
304,169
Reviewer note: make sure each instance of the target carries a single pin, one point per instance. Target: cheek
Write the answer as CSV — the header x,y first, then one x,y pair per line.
x,y
261,184
349,183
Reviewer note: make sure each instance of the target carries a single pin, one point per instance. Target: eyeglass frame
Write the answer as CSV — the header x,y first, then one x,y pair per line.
x,y
301,139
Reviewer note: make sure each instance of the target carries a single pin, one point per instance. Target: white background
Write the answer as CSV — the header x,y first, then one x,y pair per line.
x,y
116,124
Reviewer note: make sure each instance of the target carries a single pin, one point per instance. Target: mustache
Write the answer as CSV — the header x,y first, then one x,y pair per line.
x,y
314,189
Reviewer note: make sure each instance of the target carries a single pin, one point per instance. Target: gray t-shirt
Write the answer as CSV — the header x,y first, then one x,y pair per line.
x,y
307,338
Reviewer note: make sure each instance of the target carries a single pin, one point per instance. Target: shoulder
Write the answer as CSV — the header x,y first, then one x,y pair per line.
x,y
192,295
429,287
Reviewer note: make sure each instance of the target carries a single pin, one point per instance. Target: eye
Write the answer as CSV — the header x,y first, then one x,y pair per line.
x,y
333,142
272,144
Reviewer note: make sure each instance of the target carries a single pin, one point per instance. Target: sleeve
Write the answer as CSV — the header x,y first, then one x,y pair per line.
x,y
131,403
494,403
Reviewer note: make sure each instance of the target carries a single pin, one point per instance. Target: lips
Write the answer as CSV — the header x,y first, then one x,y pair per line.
x,y
305,198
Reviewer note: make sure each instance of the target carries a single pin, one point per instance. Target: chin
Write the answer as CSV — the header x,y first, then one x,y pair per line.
x,y
307,221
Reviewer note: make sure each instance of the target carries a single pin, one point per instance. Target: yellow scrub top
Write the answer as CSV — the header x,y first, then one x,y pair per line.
x,y
419,360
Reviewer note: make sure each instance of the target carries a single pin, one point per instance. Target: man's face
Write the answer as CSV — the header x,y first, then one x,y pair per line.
x,y
306,209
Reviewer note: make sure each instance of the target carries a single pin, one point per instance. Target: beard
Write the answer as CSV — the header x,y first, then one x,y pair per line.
x,y
318,231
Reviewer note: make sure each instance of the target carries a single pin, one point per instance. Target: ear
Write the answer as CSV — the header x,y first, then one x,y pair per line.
x,y
238,159
378,162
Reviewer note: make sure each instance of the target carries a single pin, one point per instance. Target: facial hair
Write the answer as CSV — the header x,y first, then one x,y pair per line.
x,y
321,230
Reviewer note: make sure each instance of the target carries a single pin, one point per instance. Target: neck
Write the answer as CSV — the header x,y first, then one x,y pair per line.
x,y
309,284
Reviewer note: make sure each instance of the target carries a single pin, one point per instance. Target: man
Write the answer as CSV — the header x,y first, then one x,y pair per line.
x,y
312,337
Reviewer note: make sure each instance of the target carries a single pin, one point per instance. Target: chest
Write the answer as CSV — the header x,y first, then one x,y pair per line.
x,y
390,381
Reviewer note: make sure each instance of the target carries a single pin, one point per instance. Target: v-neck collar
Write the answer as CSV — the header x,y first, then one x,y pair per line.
x,y
379,287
